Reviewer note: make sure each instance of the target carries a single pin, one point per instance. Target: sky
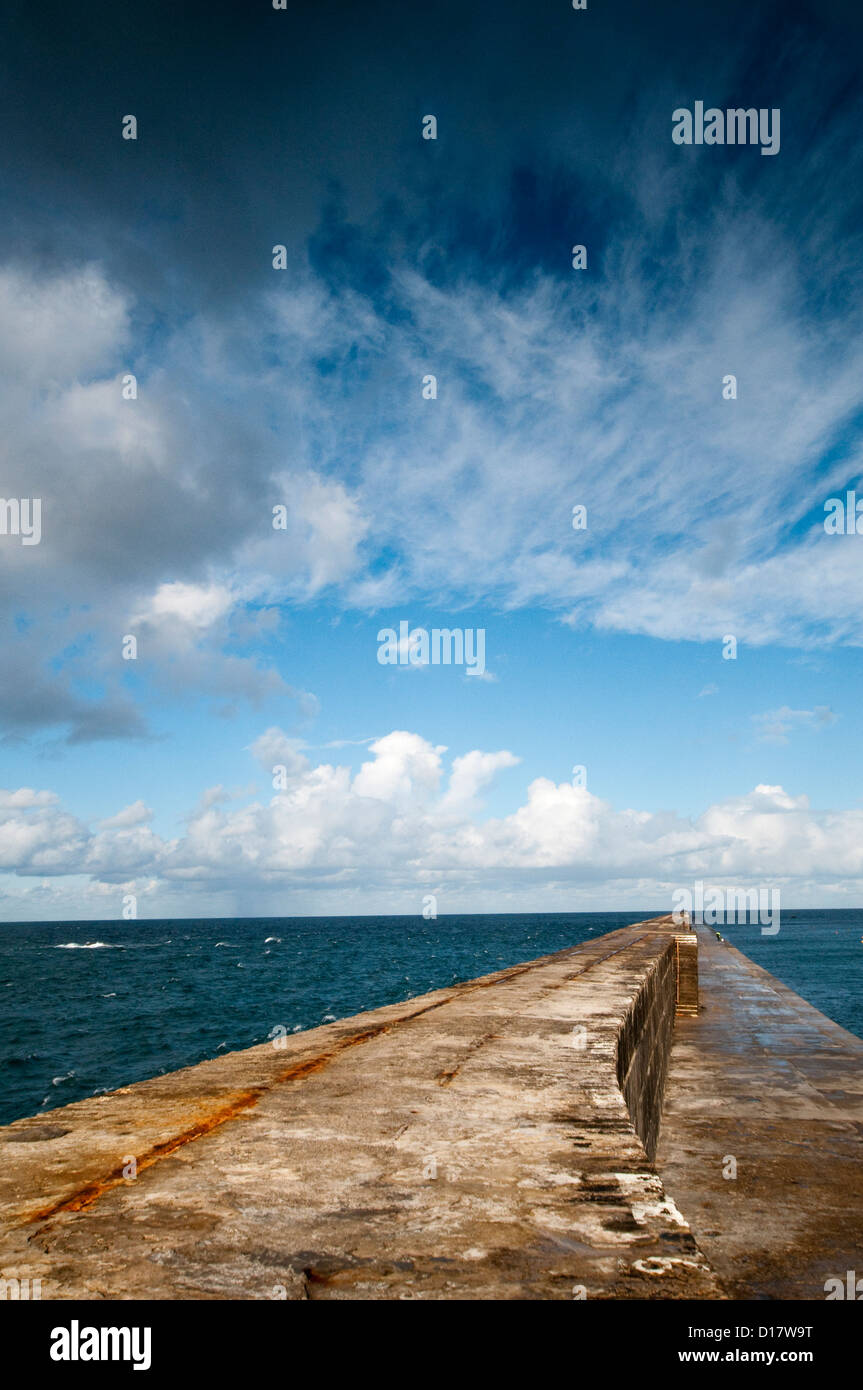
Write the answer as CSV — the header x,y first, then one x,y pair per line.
x,y
669,692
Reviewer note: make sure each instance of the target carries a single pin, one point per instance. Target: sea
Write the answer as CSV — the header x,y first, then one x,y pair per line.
x,y
86,1007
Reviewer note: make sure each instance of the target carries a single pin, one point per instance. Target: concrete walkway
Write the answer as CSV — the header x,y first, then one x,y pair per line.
x,y
763,1078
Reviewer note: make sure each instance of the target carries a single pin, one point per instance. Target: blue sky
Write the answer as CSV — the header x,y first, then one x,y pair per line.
x,y
303,388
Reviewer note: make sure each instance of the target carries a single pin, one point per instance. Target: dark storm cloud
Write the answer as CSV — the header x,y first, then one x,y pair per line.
x,y
250,116
35,699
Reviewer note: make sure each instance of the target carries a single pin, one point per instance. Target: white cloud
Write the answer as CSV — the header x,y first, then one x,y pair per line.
x,y
57,326
274,747
404,766
318,545
192,605
37,836
399,824
25,798
136,814
470,773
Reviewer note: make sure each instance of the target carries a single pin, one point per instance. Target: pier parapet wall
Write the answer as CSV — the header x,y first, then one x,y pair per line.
x,y
669,990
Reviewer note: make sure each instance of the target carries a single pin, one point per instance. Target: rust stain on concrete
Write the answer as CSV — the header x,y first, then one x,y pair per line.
x,y
244,1100
86,1196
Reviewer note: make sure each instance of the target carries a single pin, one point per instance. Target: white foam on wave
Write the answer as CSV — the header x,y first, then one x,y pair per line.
x,y
87,946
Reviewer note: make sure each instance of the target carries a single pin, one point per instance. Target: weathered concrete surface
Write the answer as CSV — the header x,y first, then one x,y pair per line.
x,y
473,1143
762,1077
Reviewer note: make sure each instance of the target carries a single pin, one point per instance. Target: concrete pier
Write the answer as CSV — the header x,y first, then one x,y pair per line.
x,y
492,1140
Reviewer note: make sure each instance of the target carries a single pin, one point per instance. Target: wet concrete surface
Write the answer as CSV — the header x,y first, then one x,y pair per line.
x,y
762,1084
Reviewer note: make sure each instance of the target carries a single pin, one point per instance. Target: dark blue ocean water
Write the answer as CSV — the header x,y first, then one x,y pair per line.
x,y
89,1006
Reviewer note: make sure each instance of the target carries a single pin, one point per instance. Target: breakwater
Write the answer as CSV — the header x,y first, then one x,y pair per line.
x,y
495,1139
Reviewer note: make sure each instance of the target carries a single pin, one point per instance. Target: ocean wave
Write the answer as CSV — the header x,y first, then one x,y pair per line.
x,y
88,946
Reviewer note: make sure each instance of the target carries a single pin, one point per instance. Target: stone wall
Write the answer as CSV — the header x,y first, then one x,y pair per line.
x,y
644,1045
669,988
